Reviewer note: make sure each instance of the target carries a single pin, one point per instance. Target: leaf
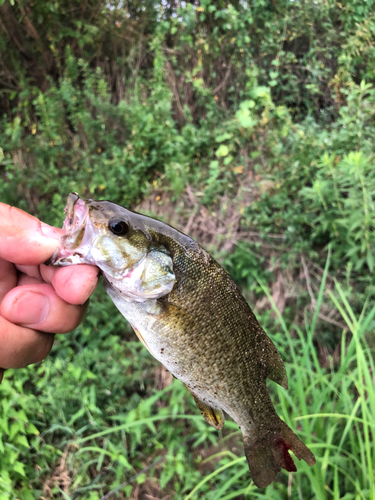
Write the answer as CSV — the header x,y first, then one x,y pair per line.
x,y
166,476
31,429
141,478
14,429
22,440
223,137
20,468
260,92
247,104
223,150
245,119
22,415
28,495
370,260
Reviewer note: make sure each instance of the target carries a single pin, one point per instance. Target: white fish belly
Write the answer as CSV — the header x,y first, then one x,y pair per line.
x,y
179,360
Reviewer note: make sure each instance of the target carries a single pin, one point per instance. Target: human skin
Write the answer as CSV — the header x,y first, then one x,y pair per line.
x,y
36,301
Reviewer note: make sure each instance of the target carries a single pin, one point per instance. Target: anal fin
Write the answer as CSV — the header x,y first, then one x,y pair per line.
x,y
213,416
275,366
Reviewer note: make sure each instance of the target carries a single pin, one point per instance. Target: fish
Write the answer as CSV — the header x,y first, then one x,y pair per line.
x,y
191,316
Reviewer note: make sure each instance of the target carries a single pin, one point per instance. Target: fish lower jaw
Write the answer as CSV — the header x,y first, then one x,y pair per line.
x,y
64,257
125,290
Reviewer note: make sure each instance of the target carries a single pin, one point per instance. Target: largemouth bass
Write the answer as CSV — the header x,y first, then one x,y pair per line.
x,y
191,316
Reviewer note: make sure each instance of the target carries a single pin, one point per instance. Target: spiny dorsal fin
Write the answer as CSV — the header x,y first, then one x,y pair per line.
x,y
214,416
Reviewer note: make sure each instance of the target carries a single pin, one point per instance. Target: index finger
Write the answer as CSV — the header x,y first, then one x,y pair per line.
x,y
24,239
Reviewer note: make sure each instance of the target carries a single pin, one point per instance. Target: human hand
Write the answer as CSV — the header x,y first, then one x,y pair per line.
x,y
36,301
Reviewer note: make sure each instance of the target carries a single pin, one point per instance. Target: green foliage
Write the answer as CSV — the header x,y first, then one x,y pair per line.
x,y
322,189
268,103
104,420
341,203
80,141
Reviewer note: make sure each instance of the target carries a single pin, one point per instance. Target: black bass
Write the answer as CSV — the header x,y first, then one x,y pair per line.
x,y
190,315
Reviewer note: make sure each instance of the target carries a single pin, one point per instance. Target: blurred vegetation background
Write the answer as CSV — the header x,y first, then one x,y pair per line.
x,y
249,125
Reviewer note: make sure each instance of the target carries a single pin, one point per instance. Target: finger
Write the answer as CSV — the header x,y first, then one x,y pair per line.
x,y
47,272
22,346
75,284
32,271
23,279
8,277
40,308
24,239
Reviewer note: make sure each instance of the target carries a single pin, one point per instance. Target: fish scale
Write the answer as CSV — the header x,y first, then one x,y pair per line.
x,y
192,317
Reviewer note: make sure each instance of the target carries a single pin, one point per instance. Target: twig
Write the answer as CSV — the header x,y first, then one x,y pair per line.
x,y
224,81
172,81
332,321
30,28
6,84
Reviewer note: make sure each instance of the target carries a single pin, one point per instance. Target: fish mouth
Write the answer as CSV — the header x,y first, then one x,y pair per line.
x,y
76,213
68,252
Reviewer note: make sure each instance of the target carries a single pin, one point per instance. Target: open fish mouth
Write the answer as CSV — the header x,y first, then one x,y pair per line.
x,y
75,225
76,213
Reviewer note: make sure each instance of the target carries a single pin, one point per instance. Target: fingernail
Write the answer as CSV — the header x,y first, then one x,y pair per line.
x,y
30,308
90,291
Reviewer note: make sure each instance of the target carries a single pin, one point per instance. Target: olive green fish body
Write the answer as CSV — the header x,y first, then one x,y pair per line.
x,y
191,316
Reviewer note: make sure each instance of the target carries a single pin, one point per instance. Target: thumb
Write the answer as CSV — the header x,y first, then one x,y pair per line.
x,y
24,239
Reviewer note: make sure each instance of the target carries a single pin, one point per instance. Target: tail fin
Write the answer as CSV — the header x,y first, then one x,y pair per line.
x,y
268,454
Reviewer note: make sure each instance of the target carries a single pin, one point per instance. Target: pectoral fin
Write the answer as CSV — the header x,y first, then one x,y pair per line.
x,y
137,332
214,416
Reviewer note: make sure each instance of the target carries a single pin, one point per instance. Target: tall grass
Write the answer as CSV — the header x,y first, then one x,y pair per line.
x,y
157,442
332,410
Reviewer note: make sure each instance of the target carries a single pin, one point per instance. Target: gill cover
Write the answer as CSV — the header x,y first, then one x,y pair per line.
x,y
152,278
119,243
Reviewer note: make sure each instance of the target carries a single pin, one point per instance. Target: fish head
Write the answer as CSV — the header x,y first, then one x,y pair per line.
x,y
118,241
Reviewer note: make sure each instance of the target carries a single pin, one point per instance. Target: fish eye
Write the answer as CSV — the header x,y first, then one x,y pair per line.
x,y
118,227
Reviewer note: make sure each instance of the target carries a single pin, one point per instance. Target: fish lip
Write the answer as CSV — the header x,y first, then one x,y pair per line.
x,y
75,221
76,213
69,210
59,259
